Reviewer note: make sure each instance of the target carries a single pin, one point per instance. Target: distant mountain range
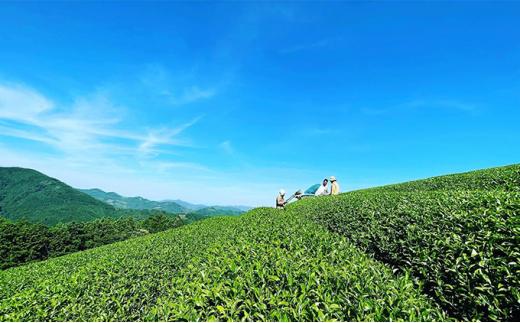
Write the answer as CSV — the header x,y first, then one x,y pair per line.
x,y
26,194
30,195
196,207
173,206
137,203
187,205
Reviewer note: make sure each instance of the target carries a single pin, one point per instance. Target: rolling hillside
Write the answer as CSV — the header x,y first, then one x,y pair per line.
x,y
31,195
194,212
187,205
442,249
263,266
27,194
136,203
196,207
211,211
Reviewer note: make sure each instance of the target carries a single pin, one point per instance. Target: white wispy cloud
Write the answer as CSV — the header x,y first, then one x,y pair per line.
x,y
90,125
164,136
20,103
189,95
161,82
166,166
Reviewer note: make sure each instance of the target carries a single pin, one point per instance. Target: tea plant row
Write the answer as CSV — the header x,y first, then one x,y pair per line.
x,y
269,265
505,178
463,245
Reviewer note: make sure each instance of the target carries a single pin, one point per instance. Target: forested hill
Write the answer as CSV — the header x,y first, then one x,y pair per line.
x,y
30,195
136,203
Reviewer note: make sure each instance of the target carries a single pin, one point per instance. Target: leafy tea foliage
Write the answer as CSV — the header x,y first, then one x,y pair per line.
x,y
375,252
266,265
459,234
505,178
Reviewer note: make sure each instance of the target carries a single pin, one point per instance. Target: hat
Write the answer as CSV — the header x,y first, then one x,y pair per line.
x,y
282,192
332,178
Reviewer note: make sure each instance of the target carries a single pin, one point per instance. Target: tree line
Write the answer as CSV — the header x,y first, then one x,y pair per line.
x,y
22,242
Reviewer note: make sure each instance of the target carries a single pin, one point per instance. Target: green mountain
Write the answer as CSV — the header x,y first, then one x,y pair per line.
x,y
136,203
443,249
27,194
188,205
30,195
210,211
196,207
218,210
193,212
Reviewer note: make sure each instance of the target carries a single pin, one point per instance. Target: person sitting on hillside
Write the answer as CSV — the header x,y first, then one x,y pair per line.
x,y
322,190
280,200
334,186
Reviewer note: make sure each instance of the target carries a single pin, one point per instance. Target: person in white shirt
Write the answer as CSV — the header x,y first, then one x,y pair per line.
x,y
322,190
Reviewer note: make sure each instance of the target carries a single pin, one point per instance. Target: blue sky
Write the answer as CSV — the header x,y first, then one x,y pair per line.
x,y
225,103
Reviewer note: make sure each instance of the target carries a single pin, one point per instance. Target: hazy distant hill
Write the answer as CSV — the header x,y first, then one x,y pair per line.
x,y
242,208
196,207
216,210
212,211
193,211
31,195
136,203
188,205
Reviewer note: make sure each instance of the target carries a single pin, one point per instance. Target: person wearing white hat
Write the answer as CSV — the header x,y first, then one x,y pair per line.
x,y
334,186
280,199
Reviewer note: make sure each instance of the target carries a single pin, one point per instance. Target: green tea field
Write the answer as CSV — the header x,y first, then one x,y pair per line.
x,y
441,249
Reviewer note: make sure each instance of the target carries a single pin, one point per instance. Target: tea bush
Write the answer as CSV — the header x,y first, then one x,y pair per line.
x,y
463,245
267,265
281,267
113,282
500,178
371,258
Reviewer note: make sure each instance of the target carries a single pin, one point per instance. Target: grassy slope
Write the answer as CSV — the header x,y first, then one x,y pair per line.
x,y
277,265
28,194
266,265
458,234
506,178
